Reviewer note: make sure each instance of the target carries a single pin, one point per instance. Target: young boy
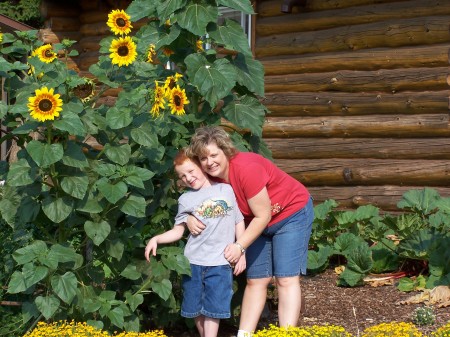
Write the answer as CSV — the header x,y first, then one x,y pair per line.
x,y
207,293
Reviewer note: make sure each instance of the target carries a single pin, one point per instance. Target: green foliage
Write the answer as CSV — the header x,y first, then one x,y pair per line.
x,y
424,316
79,214
366,242
26,11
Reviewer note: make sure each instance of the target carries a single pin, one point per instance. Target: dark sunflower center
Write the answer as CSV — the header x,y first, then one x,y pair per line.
x,y
48,53
177,100
120,22
122,51
45,105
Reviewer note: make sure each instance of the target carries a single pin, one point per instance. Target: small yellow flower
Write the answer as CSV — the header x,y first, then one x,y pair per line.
x,y
158,100
177,101
151,54
123,51
45,105
1,36
45,53
199,45
167,51
119,22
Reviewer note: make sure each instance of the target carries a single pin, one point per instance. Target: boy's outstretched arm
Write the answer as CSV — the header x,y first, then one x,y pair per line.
x,y
176,233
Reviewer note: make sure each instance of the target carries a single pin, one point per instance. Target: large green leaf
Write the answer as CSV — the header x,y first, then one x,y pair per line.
x,y
130,272
70,123
231,36
318,260
45,154
246,113
360,259
423,201
145,135
139,9
19,174
30,252
29,276
134,206
64,254
166,8
213,80
74,156
346,243
243,6
112,192
57,209
134,300
47,305
76,186
115,248
65,286
196,16
416,245
97,231
250,73
163,288
118,154
439,262
118,118
116,316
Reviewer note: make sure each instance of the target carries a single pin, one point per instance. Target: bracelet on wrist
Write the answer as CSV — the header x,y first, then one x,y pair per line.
x,y
242,249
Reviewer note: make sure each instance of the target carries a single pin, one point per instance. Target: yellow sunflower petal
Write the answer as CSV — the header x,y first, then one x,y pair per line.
x,y
119,22
123,51
177,101
45,105
45,53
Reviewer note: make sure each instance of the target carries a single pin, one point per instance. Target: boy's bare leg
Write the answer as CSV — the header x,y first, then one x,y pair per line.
x,y
200,324
211,326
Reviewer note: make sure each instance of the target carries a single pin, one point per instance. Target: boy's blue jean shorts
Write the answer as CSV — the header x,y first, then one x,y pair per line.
x,y
207,292
282,249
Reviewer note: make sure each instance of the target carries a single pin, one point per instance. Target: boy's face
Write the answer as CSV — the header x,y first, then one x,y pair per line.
x,y
192,175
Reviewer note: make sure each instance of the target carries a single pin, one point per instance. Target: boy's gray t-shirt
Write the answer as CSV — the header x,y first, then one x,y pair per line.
x,y
217,208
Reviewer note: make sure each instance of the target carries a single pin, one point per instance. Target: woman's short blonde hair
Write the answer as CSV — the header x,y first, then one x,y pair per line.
x,y
206,135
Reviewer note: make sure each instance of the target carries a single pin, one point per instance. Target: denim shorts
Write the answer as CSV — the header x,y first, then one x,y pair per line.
x,y
282,249
207,292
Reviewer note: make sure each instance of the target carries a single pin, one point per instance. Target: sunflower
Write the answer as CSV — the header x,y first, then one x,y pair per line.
x,y
45,53
199,45
170,83
151,54
177,101
167,51
123,51
119,22
45,105
85,91
158,100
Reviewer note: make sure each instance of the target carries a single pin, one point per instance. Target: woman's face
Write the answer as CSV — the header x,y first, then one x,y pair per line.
x,y
215,163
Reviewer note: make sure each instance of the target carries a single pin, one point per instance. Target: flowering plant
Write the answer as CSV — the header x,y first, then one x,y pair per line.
x,y
91,181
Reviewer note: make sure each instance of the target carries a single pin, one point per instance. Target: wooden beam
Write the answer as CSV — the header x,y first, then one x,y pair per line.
x,y
346,148
391,80
386,197
392,33
358,126
367,171
347,104
381,58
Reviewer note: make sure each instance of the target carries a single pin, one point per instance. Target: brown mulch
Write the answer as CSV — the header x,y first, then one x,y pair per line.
x,y
352,308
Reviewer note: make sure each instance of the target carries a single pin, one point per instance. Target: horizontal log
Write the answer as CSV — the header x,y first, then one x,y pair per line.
x,y
367,171
383,58
86,59
62,24
272,8
50,9
94,16
325,19
392,33
376,148
347,104
95,29
358,126
392,80
90,44
385,197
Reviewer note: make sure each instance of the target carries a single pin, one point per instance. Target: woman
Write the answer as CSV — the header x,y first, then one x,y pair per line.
x,y
278,213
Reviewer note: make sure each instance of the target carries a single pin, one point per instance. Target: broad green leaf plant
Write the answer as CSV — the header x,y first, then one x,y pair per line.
x,y
92,179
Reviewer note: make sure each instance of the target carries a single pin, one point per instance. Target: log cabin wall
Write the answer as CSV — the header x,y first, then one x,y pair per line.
x,y
358,94
357,90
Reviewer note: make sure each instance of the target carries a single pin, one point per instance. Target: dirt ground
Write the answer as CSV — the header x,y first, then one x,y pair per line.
x,y
352,308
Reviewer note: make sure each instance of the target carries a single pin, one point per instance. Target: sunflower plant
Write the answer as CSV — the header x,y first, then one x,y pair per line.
x,y
91,179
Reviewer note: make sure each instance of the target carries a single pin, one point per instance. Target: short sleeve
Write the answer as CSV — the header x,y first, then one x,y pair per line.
x,y
182,213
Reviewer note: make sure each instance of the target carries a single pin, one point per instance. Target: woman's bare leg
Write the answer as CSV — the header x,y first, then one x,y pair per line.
x,y
289,300
253,303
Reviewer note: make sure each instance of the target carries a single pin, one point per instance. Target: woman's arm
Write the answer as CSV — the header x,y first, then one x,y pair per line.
x,y
194,225
261,208
176,233
242,263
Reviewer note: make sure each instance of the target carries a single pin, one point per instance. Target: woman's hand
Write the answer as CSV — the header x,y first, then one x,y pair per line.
x,y
240,265
232,253
194,225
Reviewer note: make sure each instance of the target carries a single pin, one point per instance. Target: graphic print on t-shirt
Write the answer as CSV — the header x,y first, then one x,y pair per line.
x,y
213,208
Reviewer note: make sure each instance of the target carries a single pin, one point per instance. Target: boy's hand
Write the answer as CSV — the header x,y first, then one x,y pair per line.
x,y
232,253
151,248
240,265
